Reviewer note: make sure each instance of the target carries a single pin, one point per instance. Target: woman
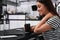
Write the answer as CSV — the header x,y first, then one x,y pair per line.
x,y
49,26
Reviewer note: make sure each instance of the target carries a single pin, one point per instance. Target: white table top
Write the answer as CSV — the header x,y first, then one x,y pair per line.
x,y
9,36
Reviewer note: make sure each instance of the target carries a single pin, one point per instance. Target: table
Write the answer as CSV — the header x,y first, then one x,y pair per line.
x,y
19,34
8,37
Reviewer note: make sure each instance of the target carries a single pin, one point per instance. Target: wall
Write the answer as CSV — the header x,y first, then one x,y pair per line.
x,y
23,7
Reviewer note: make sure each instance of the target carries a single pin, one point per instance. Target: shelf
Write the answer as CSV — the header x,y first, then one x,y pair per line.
x,y
17,14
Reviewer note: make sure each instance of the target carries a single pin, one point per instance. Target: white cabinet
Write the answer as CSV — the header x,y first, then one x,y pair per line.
x,y
16,24
16,21
16,16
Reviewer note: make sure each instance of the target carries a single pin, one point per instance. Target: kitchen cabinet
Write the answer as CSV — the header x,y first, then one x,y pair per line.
x,y
16,21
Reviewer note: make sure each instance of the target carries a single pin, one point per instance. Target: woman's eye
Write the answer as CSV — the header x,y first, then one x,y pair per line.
x,y
39,6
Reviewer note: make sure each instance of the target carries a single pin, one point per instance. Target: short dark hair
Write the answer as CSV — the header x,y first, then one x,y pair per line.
x,y
49,6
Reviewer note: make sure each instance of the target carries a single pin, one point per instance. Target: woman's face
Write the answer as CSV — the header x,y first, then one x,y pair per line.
x,y
41,8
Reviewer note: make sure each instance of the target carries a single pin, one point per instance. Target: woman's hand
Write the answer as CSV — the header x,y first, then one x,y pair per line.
x,y
32,28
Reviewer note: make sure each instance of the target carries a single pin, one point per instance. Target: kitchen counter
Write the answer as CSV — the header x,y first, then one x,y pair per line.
x,y
18,34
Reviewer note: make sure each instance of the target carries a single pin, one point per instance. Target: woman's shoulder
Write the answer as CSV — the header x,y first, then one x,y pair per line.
x,y
55,18
54,22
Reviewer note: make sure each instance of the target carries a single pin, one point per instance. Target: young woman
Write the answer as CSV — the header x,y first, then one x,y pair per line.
x,y
49,26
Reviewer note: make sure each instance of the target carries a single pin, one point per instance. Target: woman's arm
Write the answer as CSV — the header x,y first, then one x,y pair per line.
x,y
45,27
43,21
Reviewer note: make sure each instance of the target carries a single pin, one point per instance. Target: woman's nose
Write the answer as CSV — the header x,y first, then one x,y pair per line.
x,y
38,9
